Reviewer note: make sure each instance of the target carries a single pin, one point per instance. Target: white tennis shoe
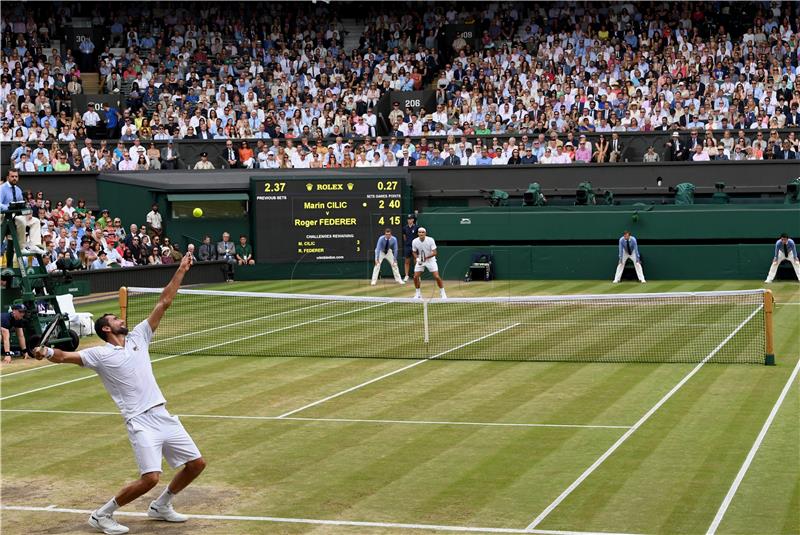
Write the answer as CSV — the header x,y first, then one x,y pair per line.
x,y
32,249
165,512
106,524
405,279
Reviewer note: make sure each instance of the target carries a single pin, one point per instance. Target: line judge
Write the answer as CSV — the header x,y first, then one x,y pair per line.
x,y
629,248
386,249
785,249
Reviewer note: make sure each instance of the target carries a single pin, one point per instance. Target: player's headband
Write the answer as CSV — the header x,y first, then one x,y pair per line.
x,y
422,229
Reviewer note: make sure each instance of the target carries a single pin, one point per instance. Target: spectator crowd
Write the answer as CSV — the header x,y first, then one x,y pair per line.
x,y
280,88
75,238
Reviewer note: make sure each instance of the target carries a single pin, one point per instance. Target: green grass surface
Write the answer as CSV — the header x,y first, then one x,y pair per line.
x,y
393,451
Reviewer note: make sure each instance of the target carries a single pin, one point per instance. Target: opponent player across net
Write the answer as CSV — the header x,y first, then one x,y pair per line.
x,y
424,250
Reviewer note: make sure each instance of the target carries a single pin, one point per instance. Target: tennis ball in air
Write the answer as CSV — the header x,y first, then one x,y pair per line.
x,y
197,212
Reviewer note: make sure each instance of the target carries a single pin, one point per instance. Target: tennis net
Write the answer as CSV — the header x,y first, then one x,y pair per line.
x,y
722,327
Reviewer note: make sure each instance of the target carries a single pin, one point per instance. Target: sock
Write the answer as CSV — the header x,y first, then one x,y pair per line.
x,y
165,498
417,292
108,508
441,290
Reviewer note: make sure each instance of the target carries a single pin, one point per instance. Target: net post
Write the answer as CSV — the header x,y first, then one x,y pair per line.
x,y
769,307
123,303
425,321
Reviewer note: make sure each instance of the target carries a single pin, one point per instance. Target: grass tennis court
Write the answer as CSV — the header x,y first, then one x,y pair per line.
x,y
355,445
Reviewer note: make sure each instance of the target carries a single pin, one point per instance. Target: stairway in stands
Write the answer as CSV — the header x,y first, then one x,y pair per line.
x,y
91,83
352,33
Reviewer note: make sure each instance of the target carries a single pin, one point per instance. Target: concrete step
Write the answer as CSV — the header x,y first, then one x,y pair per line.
x,y
352,30
91,83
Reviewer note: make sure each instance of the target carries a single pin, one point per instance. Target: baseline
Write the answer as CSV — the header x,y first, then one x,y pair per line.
x,y
586,473
349,523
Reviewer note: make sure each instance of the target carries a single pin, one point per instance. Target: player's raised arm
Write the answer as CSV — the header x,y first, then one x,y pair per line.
x,y
57,356
169,292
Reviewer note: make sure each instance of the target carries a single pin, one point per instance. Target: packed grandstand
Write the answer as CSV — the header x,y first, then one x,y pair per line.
x,y
537,83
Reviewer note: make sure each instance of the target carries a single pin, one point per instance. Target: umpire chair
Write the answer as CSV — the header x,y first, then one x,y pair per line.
x,y
32,286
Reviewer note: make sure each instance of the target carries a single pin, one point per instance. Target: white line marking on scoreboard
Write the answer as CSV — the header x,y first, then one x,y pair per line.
x,y
384,376
322,522
331,420
723,508
561,497
201,349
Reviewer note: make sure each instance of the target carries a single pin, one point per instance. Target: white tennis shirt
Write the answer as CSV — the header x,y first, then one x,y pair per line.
x,y
425,248
126,372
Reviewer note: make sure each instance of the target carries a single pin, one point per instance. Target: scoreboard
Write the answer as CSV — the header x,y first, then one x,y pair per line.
x,y
323,219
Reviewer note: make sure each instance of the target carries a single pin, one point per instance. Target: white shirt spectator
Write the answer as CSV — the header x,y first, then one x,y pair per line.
x,y
26,167
126,164
154,219
91,118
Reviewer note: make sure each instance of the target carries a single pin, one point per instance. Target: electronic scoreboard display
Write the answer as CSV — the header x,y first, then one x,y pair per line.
x,y
325,219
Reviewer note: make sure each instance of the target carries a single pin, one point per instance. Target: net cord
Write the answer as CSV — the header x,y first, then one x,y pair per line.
x,y
455,300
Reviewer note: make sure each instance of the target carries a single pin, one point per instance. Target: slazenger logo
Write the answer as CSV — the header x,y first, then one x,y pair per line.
x,y
466,221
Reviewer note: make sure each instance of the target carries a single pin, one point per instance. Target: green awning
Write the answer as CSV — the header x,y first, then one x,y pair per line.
x,y
197,197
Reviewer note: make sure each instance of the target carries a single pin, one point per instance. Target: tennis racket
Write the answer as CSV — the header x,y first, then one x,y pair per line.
x,y
47,335
421,258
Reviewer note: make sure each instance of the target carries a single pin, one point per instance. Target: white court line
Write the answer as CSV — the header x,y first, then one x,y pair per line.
x,y
37,368
561,497
349,523
2,376
723,508
199,350
333,420
384,376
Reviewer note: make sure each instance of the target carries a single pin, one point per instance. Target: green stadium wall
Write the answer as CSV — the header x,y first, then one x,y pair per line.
x,y
587,223
566,242
558,262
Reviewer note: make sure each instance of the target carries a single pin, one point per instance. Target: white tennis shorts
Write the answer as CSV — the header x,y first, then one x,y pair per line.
x,y
156,433
430,264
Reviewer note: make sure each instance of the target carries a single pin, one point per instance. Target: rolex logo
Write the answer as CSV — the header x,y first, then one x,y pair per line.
x,y
309,187
349,186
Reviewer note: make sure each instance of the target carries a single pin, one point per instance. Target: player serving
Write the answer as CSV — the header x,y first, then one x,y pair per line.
x,y
123,365
424,250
